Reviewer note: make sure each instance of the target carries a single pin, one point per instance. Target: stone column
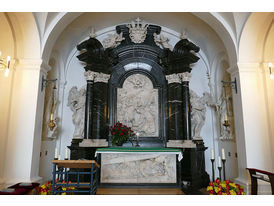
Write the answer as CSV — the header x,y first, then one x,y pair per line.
x,y
100,107
89,104
174,101
96,112
186,107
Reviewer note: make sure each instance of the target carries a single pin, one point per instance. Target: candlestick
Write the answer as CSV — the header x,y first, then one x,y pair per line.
x,y
220,169
224,167
219,162
223,153
56,154
59,157
137,140
212,154
213,175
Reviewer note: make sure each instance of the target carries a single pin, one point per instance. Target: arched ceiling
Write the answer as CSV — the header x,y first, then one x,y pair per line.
x,y
213,32
255,35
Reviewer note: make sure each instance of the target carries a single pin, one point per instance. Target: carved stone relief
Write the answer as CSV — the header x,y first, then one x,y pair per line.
x,y
140,168
137,31
113,40
162,41
137,105
76,102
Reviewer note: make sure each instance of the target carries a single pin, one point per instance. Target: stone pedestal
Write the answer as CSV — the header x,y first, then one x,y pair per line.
x,y
193,167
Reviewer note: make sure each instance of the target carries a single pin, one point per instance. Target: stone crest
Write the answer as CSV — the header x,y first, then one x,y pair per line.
x,y
137,31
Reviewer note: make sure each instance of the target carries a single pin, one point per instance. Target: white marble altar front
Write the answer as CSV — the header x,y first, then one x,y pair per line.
x,y
138,168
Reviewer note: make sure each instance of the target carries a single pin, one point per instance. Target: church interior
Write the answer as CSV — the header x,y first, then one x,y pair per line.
x,y
190,93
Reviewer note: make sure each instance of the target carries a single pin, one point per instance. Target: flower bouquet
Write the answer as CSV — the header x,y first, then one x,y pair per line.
x,y
224,188
46,189
120,133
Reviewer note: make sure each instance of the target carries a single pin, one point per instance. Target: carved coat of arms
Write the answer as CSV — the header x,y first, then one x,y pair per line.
x,y
137,31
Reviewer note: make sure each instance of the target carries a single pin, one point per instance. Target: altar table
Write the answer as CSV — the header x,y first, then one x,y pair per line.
x,y
141,150
138,165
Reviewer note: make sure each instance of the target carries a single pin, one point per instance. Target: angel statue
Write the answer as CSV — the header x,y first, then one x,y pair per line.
x,y
198,113
76,102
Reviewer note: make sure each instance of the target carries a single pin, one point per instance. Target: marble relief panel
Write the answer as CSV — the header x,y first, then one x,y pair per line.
x,y
138,168
137,105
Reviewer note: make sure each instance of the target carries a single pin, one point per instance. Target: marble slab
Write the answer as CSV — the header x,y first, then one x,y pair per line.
x,y
138,168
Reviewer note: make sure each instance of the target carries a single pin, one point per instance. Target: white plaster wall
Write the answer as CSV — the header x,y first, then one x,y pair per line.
x,y
7,49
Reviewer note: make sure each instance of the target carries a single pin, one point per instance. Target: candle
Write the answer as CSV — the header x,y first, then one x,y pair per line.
x,y
219,162
137,135
56,153
66,153
223,153
212,154
51,116
59,157
226,118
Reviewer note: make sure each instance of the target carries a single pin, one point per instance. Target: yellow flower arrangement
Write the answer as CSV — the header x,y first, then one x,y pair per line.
x,y
225,188
46,189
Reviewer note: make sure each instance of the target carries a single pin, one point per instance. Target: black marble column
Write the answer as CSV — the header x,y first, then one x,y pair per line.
x,y
186,110
100,111
88,110
174,131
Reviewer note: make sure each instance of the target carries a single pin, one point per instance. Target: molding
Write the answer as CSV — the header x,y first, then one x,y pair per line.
x,y
173,78
185,76
94,143
181,144
101,77
90,75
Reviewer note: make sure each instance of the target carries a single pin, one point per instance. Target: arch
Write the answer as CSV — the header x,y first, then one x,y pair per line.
x,y
253,37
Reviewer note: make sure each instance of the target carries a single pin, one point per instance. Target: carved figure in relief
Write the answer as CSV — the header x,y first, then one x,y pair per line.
x,y
76,102
198,111
113,40
137,105
162,41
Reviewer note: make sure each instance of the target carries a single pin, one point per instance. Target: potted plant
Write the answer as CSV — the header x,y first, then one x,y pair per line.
x,y
120,133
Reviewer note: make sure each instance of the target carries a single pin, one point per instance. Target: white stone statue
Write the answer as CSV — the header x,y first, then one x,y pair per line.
x,y
76,102
113,40
198,112
162,41
137,105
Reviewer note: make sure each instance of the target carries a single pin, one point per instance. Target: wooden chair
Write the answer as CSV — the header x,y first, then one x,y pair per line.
x,y
256,174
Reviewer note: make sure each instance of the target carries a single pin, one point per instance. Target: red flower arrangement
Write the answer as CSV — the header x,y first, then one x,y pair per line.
x,y
120,133
46,189
224,188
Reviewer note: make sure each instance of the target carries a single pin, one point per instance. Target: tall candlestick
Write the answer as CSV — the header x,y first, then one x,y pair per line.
x,y
66,153
59,157
212,154
137,135
223,153
56,153
219,162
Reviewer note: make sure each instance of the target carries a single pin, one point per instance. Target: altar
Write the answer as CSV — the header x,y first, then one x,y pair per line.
x,y
139,165
135,79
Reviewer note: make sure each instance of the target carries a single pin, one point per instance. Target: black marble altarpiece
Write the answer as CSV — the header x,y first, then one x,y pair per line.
x,y
169,72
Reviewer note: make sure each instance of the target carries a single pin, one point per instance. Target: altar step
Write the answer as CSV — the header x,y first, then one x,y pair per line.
x,y
139,191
